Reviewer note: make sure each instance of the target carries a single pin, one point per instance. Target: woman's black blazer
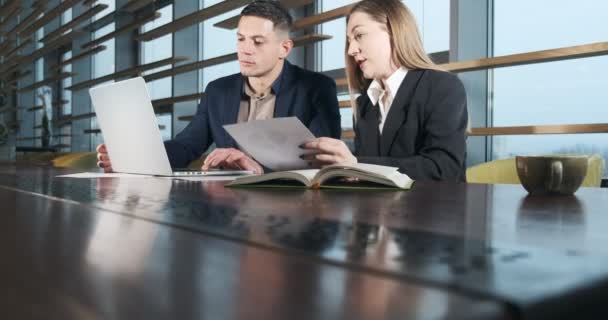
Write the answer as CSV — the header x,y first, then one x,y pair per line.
x,y
425,130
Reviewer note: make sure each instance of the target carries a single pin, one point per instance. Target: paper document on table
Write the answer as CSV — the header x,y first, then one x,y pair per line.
x,y
88,175
94,175
274,143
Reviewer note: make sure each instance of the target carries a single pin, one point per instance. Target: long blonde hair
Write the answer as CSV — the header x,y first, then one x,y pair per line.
x,y
406,44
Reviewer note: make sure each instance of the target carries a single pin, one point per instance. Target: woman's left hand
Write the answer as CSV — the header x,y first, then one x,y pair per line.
x,y
329,151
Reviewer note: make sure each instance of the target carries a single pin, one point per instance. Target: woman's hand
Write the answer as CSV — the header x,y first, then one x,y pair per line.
x,y
329,151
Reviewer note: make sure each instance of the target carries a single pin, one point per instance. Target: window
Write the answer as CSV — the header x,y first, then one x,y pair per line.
x,y
164,123
332,50
66,108
155,50
66,17
111,7
38,101
40,94
104,61
158,49
563,92
217,42
433,18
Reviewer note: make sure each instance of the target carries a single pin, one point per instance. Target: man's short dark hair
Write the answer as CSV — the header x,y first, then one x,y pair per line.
x,y
271,10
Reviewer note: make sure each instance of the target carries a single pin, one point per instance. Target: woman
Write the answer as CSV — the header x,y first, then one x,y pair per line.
x,y
409,114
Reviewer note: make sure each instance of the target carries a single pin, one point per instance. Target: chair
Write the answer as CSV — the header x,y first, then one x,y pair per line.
x,y
88,160
38,156
504,172
78,160
196,164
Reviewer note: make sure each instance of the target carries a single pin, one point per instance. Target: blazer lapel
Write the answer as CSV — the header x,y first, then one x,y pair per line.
x,y
368,129
398,111
231,107
282,102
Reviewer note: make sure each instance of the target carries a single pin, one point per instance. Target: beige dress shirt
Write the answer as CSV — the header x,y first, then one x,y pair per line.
x,y
256,106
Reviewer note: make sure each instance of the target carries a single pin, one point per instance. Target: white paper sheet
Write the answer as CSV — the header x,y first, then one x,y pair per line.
x,y
94,175
273,143
89,175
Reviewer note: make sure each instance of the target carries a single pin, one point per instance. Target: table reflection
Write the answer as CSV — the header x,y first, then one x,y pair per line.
x,y
561,224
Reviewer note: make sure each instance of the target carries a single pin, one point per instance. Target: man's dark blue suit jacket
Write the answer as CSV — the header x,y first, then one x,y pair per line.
x,y
310,96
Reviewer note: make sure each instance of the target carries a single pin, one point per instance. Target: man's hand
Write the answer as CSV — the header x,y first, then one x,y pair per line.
x,y
103,159
230,158
329,151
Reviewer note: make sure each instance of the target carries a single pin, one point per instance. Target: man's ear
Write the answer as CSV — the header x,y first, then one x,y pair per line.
x,y
286,46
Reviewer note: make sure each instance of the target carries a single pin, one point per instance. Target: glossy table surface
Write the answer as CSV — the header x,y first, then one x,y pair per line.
x,y
160,248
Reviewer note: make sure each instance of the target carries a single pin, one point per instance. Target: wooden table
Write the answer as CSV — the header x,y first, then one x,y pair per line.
x,y
159,248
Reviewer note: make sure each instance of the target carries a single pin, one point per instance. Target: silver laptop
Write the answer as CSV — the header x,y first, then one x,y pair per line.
x,y
130,131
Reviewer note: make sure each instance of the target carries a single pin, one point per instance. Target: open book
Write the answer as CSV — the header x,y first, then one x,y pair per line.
x,y
360,175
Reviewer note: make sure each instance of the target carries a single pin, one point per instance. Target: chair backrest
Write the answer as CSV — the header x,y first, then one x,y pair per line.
x,y
504,172
80,160
595,172
88,160
196,164
38,156
497,171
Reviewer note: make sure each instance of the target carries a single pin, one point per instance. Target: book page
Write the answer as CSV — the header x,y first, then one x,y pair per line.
x,y
389,176
309,174
303,176
378,170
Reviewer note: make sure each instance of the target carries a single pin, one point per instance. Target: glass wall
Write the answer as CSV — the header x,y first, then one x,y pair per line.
x,y
164,124
104,62
433,18
158,49
111,7
217,42
66,95
66,17
564,92
39,93
65,108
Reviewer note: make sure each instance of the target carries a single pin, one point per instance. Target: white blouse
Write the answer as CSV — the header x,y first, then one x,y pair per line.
x,y
385,96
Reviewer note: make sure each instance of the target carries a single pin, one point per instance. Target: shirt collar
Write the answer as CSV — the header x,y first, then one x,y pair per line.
x,y
393,82
274,88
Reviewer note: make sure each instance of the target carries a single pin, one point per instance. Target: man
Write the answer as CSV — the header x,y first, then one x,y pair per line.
x,y
268,86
